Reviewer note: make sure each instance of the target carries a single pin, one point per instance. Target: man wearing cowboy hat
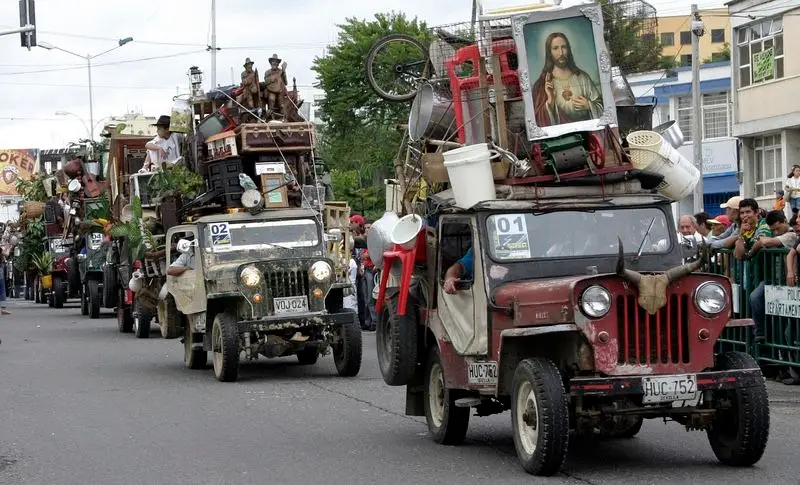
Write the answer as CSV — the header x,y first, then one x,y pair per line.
x,y
250,96
165,147
276,83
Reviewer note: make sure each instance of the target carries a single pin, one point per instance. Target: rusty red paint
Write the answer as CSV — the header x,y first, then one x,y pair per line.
x,y
547,298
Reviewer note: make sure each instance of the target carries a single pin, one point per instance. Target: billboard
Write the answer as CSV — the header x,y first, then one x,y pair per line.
x,y
15,165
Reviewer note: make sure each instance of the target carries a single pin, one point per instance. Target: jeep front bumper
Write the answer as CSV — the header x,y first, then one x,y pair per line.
x,y
632,386
296,321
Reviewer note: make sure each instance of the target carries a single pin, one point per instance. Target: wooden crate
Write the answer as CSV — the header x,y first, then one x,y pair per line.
x,y
273,187
276,137
337,216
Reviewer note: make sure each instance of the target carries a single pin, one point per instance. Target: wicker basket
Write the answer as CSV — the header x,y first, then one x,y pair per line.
x,y
33,209
644,148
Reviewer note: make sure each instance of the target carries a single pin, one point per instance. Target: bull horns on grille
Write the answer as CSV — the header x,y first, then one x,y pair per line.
x,y
679,272
672,274
632,277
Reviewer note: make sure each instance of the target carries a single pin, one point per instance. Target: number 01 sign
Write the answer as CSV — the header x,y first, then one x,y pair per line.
x,y
512,237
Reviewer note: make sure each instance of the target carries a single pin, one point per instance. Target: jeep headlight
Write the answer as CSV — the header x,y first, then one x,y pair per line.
x,y
595,301
250,276
710,298
321,271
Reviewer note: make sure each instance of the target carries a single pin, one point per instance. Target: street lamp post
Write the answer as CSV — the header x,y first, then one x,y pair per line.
x,y
88,58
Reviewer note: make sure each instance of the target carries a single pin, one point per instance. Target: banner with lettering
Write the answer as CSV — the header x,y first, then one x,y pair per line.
x,y
15,165
782,301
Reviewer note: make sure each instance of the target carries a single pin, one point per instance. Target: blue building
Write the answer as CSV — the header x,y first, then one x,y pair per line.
x,y
671,91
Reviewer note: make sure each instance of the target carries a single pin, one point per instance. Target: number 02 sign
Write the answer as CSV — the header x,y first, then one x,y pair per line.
x,y
220,234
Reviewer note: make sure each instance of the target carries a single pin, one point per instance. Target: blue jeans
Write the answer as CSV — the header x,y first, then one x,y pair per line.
x,y
758,308
794,203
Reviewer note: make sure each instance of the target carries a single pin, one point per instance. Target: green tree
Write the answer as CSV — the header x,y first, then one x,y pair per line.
x,y
360,139
630,32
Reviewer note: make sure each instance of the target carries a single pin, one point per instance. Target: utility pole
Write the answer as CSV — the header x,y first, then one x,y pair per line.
x,y
697,123
213,44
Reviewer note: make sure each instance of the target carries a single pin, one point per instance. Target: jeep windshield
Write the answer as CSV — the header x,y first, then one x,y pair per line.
x,y
577,234
234,241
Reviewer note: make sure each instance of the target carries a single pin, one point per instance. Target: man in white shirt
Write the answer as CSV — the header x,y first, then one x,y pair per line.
x,y
687,230
165,147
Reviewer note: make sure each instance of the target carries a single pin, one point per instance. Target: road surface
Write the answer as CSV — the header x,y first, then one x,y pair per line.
x,y
82,404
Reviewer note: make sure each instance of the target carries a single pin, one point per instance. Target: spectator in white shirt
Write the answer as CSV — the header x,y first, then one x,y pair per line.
x,y
687,229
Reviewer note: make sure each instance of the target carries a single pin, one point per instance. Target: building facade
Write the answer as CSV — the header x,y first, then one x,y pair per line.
x,y
766,84
674,34
671,91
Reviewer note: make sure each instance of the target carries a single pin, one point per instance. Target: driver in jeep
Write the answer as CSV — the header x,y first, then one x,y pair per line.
x,y
461,269
184,262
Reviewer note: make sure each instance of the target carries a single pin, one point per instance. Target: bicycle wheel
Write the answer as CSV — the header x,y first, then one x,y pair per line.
x,y
396,64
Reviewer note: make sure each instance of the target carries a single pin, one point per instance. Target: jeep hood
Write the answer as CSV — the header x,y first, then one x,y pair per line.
x,y
539,301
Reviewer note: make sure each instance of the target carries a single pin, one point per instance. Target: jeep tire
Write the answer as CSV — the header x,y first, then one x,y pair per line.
x,y
225,347
142,318
738,434
94,298
447,423
193,357
396,341
539,416
347,352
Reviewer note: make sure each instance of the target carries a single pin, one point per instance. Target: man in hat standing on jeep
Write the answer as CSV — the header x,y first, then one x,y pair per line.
x,y
276,83
165,147
250,96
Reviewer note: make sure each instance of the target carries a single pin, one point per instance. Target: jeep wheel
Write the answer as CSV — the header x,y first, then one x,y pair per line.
x,y
447,423
94,298
193,357
58,295
142,318
308,356
84,296
169,319
347,352
396,341
739,432
539,416
225,344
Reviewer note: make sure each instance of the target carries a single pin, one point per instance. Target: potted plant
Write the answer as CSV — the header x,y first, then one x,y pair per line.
x,y
44,265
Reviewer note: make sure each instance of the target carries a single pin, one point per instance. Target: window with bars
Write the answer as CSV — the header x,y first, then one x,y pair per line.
x,y
668,38
717,118
760,52
768,163
686,59
686,37
717,36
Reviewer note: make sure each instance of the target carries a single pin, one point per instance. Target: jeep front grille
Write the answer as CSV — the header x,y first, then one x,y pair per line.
x,y
281,284
646,339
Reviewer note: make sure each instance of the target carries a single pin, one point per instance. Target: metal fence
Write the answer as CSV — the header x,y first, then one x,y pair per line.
x,y
782,333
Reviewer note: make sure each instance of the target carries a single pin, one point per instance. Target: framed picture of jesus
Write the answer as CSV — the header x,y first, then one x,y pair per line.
x,y
564,71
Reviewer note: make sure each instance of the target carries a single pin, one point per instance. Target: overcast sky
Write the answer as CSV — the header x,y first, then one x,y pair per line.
x,y
38,83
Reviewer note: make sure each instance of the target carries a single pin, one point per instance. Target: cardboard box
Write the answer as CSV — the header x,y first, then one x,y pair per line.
x,y
274,189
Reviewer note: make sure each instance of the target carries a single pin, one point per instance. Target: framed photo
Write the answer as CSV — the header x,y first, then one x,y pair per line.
x,y
564,71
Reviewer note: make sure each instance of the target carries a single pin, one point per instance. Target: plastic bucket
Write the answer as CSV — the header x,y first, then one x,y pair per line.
x,y
379,237
650,152
470,176
406,230
470,151
47,281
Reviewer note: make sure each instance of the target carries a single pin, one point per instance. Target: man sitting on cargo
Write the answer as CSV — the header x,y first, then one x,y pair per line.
x,y
460,270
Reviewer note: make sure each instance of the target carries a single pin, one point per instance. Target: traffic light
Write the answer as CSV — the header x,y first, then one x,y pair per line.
x,y
27,16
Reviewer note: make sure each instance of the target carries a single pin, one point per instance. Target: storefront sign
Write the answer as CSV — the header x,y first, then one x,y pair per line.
x,y
719,156
15,165
782,301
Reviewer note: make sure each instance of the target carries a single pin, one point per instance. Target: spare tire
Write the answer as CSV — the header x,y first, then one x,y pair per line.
x,y
396,341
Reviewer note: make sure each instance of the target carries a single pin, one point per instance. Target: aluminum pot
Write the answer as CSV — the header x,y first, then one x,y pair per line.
x,y
671,132
432,115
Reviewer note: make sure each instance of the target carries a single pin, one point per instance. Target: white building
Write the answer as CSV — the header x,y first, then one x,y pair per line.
x,y
671,92
766,88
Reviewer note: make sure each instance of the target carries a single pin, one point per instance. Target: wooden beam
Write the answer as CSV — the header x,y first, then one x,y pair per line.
x,y
483,83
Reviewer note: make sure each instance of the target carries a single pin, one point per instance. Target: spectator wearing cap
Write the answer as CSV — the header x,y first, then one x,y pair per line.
x,y
719,225
728,238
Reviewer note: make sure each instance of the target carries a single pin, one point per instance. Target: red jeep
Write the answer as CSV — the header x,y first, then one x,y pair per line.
x,y
577,314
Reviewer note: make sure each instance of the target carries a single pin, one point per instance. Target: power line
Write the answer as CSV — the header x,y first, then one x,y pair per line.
x,y
84,86
113,63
